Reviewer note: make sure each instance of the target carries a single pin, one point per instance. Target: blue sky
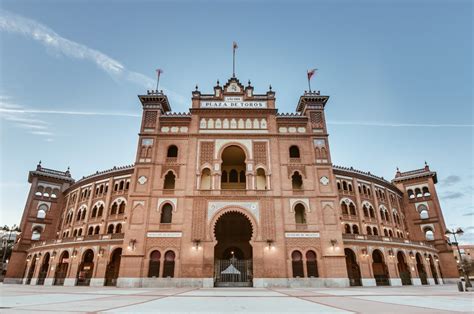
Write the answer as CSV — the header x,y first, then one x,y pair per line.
x,y
399,74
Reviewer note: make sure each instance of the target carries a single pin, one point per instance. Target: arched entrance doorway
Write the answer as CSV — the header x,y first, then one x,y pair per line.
x,y
233,175
31,270
433,270
113,268
61,269
43,270
84,273
233,252
353,269
403,269
421,269
380,269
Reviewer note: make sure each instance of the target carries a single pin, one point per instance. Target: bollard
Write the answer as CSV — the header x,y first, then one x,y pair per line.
x,y
460,288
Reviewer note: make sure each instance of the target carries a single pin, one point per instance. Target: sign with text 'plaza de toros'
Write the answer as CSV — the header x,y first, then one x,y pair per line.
x,y
234,102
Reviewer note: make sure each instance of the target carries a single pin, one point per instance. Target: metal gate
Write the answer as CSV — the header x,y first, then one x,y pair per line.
x,y
233,273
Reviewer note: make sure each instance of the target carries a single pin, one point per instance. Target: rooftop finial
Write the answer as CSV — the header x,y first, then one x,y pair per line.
x,y
197,87
217,82
38,166
158,73
270,87
427,168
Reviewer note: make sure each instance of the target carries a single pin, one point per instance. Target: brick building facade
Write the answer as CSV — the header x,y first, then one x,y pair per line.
x,y
232,194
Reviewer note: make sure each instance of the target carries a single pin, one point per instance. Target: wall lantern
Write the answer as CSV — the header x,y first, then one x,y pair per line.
x,y
390,253
270,245
74,254
101,252
364,253
131,244
196,244
333,242
412,256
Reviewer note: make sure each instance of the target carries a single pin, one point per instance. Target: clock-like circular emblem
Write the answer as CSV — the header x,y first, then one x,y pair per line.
x,y
324,180
142,180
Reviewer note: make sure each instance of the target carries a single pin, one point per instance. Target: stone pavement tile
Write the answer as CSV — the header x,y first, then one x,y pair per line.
x,y
166,291
230,305
364,306
91,305
234,292
448,303
43,298
297,292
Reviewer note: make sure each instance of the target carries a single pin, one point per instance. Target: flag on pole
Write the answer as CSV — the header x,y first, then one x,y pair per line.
x,y
234,46
311,73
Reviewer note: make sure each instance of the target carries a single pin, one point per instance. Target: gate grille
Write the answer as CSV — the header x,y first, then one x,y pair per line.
x,y
233,273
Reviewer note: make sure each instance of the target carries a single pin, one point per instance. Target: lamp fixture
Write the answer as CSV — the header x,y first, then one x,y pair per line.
x,y
131,244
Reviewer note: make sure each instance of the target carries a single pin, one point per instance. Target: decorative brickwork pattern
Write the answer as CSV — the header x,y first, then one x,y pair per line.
x,y
268,220
316,118
207,152
300,168
293,243
150,119
164,170
199,219
163,243
260,152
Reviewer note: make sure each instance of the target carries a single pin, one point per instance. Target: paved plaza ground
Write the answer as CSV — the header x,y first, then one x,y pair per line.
x,y
425,299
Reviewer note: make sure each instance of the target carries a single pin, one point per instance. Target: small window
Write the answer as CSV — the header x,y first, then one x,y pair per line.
x,y
311,264
110,229
166,214
118,228
154,264
429,234
233,176
114,209
168,267
172,151
294,152
36,234
296,181
297,264
300,215
170,180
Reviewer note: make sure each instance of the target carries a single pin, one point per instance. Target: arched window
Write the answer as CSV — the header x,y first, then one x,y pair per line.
x,y
42,209
172,151
205,179
83,216
426,192
311,264
74,233
366,211
375,231
118,228
36,234
94,212
166,214
79,232
169,181
385,232
168,267
224,176
113,210
352,209
242,177
347,228
344,209
369,230
344,185
429,234
121,209
390,233
355,229
97,230
300,215
418,192
410,193
297,264
294,152
423,211
121,185
110,229
296,181
339,185
90,231
261,179
350,187
233,176
101,210
372,212
154,264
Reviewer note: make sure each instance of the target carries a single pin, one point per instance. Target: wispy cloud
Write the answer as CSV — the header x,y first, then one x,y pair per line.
x,y
452,195
450,180
469,214
65,112
13,23
396,124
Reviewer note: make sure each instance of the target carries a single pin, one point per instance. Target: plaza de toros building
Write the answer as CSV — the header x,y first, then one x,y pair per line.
x,y
232,193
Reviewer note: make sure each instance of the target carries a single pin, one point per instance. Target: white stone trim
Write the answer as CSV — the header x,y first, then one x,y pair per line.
x,y
251,207
368,282
173,201
305,201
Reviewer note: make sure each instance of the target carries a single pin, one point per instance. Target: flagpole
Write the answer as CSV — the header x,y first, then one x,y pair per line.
x,y
158,82
233,60
309,81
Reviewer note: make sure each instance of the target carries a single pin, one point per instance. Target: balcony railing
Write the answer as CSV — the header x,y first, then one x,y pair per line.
x,y
363,237
98,237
